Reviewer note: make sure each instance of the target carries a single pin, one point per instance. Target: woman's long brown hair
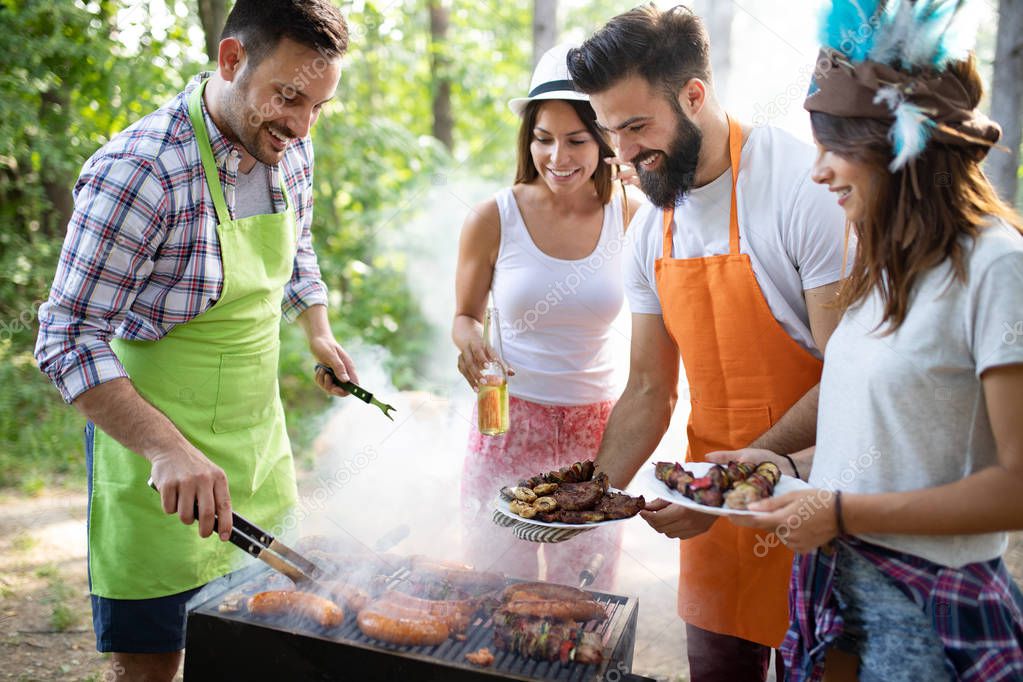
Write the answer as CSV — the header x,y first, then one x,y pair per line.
x,y
526,171
918,215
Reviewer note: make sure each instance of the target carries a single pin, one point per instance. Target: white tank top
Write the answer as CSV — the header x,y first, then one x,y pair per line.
x,y
556,314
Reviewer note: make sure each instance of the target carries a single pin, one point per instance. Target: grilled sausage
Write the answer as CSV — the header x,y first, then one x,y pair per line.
x,y
320,611
559,609
455,613
355,598
540,591
396,625
459,576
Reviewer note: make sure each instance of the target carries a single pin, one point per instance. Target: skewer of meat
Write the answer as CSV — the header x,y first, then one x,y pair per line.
x,y
758,486
673,475
546,640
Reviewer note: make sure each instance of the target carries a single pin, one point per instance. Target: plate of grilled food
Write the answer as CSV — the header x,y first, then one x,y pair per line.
x,y
560,504
722,490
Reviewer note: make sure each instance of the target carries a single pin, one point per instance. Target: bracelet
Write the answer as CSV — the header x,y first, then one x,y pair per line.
x,y
838,513
794,469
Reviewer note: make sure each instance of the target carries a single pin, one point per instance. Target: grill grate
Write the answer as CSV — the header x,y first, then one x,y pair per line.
x,y
232,645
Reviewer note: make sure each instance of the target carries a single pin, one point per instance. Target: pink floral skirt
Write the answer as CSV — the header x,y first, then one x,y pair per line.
x,y
542,438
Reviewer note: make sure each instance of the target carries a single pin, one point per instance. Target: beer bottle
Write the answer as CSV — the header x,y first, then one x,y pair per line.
x,y
492,399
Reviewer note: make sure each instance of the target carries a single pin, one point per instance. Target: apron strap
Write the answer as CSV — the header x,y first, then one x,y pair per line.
x,y
734,156
209,164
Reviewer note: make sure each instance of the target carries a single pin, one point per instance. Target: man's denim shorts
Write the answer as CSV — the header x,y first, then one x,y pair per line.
x,y
136,626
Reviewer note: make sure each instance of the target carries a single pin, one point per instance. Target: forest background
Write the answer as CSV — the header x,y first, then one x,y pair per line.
x,y
421,106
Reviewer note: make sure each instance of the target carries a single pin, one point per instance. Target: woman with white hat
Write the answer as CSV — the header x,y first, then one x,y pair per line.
x,y
548,249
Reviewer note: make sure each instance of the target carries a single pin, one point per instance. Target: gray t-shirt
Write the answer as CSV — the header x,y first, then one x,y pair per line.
x,y
907,411
253,193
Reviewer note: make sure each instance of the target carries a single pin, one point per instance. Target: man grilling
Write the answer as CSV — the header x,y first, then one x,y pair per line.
x,y
190,239
732,267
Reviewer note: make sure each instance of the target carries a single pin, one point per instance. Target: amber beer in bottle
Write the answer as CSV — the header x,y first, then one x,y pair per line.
x,y
492,399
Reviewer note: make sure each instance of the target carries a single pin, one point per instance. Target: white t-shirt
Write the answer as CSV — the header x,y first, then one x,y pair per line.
x,y
906,411
792,229
556,314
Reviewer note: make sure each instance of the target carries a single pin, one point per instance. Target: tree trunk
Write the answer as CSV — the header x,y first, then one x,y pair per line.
x,y
212,15
545,27
53,106
1007,98
718,17
443,122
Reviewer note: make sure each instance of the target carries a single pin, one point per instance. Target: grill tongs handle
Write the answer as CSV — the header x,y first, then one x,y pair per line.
x,y
265,547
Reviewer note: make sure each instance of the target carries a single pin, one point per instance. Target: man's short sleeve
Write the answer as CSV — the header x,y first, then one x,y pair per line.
x,y
638,266
815,239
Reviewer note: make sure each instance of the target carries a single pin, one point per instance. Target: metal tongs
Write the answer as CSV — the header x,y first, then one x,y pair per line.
x,y
358,391
265,547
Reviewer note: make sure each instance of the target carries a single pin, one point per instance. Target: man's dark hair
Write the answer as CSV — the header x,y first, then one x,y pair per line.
x,y
667,48
261,24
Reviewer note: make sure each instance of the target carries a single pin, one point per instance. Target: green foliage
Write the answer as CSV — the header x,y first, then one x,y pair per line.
x,y
75,73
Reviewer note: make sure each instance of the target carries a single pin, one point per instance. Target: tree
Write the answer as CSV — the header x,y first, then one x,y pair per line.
x,y
719,16
443,122
1007,98
545,27
212,15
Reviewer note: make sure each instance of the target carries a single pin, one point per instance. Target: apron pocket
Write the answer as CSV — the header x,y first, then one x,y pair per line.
x,y
727,428
246,390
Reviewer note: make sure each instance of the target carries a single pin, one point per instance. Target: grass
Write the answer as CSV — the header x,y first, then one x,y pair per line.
x,y
62,616
23,542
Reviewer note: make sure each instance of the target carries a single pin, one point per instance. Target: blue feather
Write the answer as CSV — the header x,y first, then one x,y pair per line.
x,y
847,26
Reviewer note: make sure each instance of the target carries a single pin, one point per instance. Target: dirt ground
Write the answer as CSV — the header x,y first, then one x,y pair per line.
x,y
45,621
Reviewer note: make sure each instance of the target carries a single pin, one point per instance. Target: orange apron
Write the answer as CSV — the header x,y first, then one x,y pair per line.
x,y
744,373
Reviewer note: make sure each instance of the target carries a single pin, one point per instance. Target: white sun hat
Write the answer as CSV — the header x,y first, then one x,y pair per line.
x,y
551,80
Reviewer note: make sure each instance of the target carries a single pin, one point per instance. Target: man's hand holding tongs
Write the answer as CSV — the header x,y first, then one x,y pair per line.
x,y
187,480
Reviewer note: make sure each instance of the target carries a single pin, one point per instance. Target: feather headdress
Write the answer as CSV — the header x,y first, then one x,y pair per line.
x,y
888,60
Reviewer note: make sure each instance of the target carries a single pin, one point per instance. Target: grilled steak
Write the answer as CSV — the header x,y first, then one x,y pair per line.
x,y
620,506
564,516
583,495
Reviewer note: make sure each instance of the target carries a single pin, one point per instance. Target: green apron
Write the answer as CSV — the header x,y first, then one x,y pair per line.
x,y
215,377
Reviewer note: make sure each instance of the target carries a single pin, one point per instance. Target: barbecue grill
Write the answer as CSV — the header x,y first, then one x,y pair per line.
x,y
223,644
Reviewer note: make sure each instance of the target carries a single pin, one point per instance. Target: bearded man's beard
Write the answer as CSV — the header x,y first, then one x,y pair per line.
x,y
245,123
669,183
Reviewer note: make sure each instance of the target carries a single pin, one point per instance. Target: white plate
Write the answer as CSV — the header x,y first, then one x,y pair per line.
x,y
646,484
501,505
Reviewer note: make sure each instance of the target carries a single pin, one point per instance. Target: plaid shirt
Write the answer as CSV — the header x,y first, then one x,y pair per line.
x,y
975,610
141,253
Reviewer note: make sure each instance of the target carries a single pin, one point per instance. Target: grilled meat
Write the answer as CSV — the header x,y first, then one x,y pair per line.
x,y
736,485
300,605
565,516
673,475
582,495
578,472
546,640
541,591
620,506
758,486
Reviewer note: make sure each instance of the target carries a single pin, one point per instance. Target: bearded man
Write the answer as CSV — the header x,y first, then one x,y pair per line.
x,y
190,239
732,268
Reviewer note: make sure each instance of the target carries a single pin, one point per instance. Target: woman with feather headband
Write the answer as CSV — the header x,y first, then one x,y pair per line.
x,y
918,466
